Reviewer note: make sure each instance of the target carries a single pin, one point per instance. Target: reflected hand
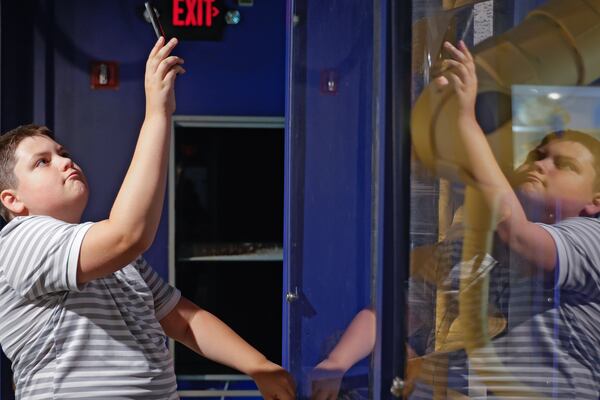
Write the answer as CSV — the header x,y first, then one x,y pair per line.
x,y
326,380
458,72
274,382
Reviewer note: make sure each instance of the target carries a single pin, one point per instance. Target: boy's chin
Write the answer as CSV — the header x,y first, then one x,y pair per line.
x,y
530,197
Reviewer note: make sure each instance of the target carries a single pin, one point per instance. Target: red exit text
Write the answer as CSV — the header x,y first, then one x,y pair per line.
x,y
194,12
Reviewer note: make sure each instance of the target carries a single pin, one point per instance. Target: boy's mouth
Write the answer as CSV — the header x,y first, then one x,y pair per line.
x,y
529,177
534,178
74,175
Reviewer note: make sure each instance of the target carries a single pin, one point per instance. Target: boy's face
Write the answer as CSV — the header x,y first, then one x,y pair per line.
x,y
48,181
561,175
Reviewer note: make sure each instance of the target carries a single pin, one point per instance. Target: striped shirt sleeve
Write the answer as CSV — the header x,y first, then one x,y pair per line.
x,y
578,254
165,296
42,255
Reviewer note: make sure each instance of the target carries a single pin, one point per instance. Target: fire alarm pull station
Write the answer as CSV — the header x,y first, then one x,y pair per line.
x,y
104,75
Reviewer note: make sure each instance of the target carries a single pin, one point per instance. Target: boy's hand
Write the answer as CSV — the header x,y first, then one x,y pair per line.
x,y
159,82
274,382
326,380
459,73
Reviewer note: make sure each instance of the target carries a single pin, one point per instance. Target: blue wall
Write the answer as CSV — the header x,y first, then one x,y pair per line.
x,y
241,75
329,173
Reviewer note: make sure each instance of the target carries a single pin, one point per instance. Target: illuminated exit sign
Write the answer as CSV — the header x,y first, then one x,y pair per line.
x,y
192,19
194,13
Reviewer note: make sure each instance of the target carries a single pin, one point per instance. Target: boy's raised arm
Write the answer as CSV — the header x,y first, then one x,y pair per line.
x,y
526,238
130,229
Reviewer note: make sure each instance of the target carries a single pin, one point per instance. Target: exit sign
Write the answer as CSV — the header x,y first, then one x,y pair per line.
x,y
192,19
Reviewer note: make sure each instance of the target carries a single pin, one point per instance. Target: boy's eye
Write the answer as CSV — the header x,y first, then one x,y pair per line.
x,y
41,162
563,164
535,155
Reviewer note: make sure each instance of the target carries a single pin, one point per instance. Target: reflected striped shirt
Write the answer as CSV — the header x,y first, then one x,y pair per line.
x,y
551,347
102,340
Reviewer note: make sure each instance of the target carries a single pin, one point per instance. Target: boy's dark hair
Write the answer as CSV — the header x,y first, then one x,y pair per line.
x,y
9,142
584,139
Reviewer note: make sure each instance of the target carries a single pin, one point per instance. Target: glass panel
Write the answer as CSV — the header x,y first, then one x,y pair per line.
x,y
329,198
504,288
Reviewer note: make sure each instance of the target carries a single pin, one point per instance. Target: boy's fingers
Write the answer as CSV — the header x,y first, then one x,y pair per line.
x,y
166,49
172,74
159,43
288,387
463,47
467,57
161,53
440,82
282,390
165,65
290,391
456,53
456,82
463,55
280,396
152,61
458,67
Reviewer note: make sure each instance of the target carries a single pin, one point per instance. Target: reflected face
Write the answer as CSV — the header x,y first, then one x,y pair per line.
x,y
559,174
48,181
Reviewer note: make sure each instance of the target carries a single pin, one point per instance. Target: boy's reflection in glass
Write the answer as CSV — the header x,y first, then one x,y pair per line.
x,y
547,287
543,323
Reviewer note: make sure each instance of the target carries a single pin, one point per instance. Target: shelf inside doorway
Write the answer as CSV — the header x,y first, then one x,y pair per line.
x,y
272,255
231,252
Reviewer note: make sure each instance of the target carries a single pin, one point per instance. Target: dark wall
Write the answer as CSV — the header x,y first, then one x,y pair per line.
x,y
17,60
241,75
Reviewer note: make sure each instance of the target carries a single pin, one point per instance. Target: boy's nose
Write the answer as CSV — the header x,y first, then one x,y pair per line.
x,y
66,162
541,166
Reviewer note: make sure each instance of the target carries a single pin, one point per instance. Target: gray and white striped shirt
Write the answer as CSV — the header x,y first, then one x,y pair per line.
x,y
551,347
102,340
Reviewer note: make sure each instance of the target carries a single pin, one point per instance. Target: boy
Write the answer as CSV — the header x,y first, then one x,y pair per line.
x,y
81,314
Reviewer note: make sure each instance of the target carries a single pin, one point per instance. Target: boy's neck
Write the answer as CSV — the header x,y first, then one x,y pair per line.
x,y
547,212
70,219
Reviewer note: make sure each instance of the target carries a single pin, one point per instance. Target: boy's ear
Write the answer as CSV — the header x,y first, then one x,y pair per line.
x,y
11,201
593,208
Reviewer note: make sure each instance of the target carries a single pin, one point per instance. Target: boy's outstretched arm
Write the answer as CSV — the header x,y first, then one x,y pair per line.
x,y
210,337
134,217
523,236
